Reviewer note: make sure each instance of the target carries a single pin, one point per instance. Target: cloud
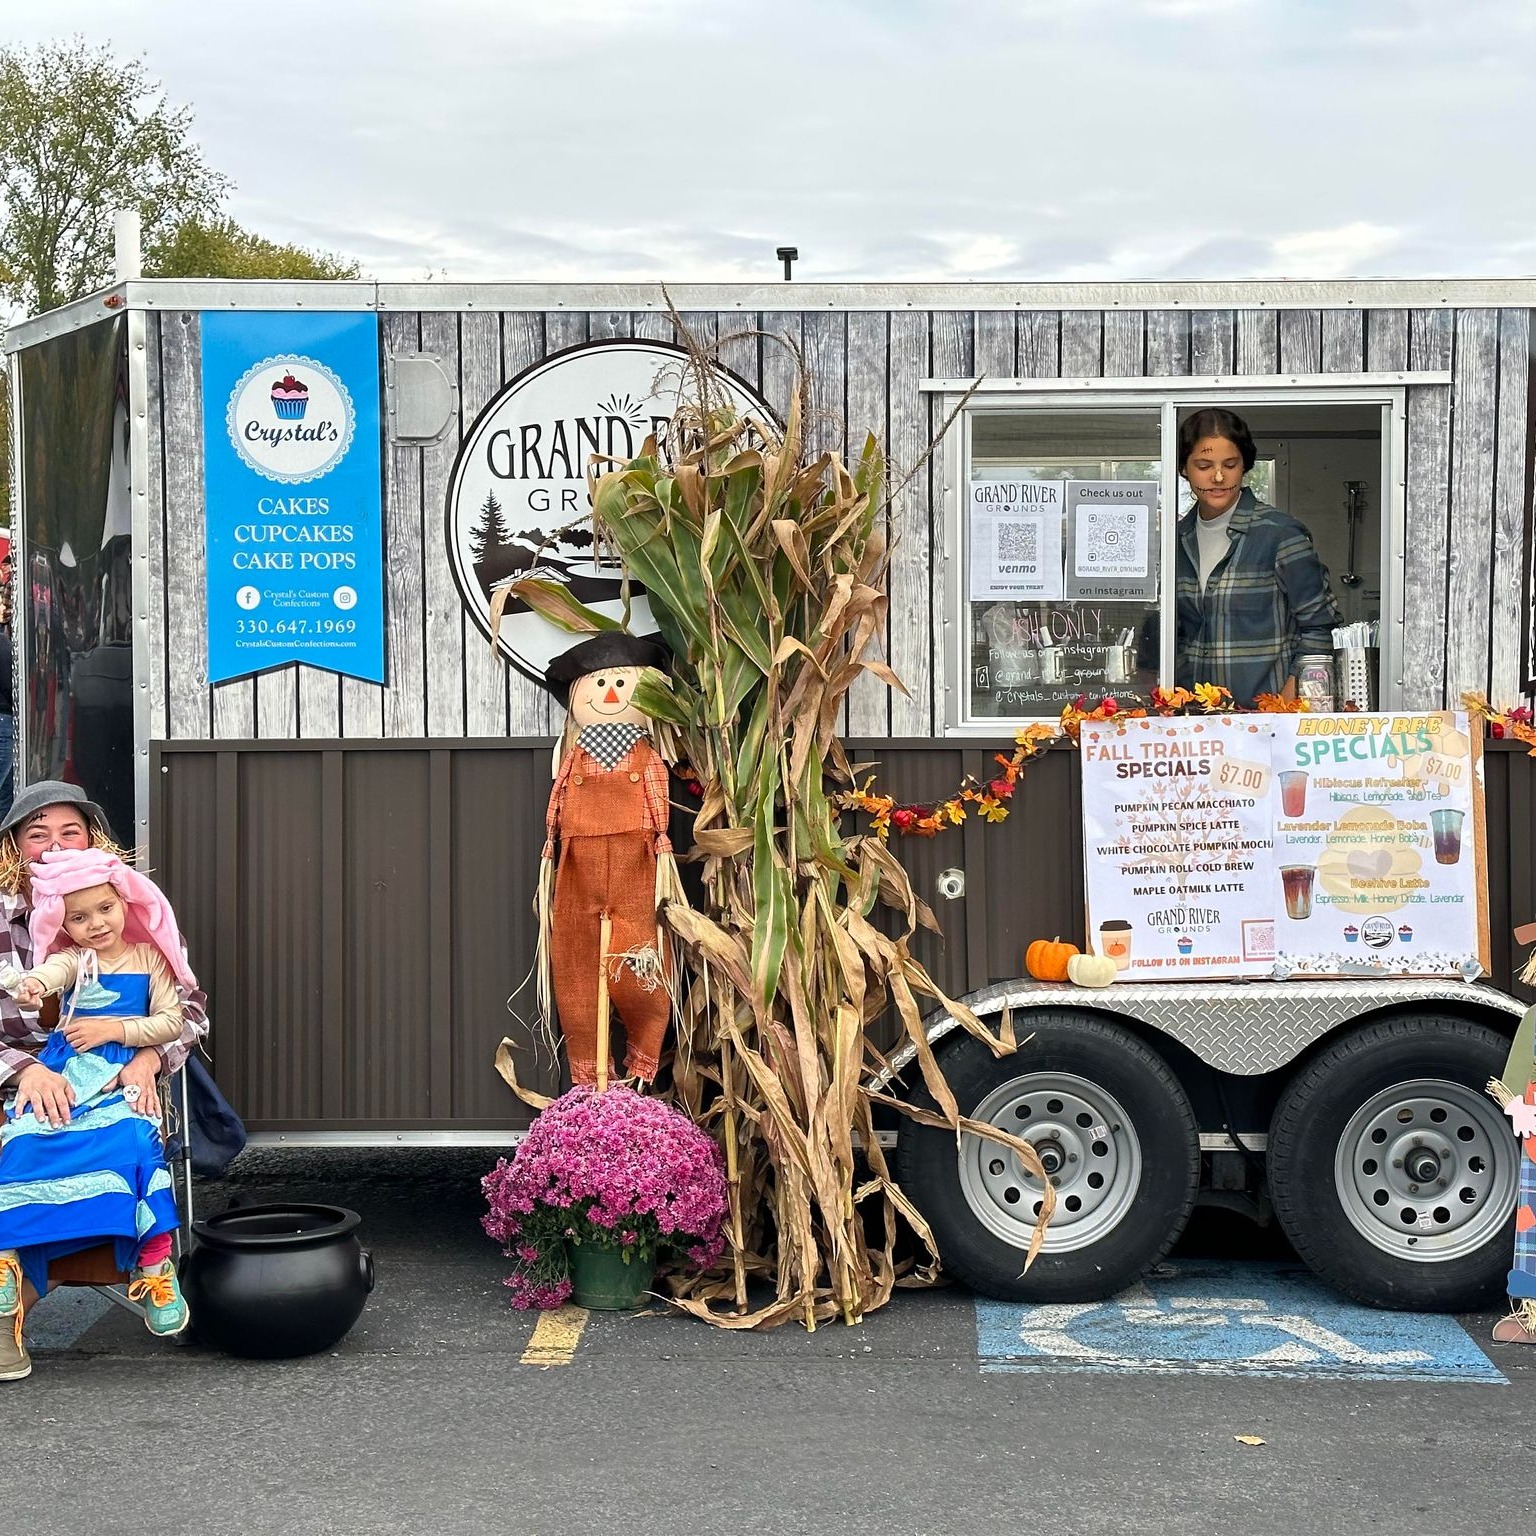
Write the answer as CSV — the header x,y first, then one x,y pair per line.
x,y
1346,251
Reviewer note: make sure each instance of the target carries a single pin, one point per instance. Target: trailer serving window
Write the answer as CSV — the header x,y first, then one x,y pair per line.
x,y
1064,501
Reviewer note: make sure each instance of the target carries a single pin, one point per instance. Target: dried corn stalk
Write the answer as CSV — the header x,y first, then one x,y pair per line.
x,y
765,570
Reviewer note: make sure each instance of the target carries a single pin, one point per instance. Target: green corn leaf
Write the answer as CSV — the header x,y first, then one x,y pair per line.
x,y
657,696
552,600
771,891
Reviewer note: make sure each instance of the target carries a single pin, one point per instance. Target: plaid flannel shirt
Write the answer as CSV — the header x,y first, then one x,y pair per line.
x,y
22,1036
1267,603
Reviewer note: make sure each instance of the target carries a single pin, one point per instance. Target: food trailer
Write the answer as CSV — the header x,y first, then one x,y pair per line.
x,y
258,526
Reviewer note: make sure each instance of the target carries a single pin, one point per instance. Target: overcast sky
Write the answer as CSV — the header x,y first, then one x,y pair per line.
x,y
685,139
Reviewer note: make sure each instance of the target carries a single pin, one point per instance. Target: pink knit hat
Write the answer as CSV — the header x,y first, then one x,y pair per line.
x,y
62,871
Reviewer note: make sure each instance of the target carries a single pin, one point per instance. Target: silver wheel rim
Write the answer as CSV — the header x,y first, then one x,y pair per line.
x,y
1088,1144
1426,1170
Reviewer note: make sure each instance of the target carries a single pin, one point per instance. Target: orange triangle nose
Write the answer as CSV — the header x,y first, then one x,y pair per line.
x,y
611,697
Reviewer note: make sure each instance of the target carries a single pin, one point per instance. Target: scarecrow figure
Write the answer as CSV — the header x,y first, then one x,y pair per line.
x,y
1516,1092
599,938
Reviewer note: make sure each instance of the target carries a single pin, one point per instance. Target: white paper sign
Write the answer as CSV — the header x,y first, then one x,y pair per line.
x,y
1016,540
1178,838
1375,844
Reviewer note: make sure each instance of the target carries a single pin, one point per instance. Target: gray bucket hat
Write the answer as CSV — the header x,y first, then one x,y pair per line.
x,y
38,797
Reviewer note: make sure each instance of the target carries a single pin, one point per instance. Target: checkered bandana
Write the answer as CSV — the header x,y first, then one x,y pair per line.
x,y
608,743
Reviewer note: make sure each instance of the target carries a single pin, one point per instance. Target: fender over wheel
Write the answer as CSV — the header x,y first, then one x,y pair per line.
x,y
1115,1132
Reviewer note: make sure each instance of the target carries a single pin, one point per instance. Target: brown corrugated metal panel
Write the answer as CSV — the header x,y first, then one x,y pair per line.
x,y
497,831
360,914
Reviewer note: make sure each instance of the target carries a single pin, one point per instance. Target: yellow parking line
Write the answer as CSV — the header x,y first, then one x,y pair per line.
x,y
556,1336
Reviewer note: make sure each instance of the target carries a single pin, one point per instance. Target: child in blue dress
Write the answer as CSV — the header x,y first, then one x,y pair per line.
x,y
108,942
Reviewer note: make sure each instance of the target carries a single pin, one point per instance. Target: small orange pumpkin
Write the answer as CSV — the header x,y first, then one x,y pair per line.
x,y
1046,959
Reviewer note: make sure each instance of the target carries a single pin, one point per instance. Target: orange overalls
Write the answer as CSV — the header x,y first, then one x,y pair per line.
x,y
610,824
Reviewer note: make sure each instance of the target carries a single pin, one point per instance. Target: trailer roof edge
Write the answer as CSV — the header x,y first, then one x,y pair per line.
x,y
778,297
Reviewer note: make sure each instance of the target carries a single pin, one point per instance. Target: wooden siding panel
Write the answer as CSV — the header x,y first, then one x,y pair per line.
x,y
1301,341
277,703
1429,461
529,707
443,607
911,635
1258,341
1125,344
952,343
485,674
1343,341
781,343
1512,598
997,343
869,412
1039,344
1082,343
1386,341
1470,540
155,628
1210,342
405,672
1168,343
737,345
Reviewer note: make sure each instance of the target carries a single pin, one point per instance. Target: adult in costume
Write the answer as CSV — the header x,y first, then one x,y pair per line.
x,y
1516,1091
46,816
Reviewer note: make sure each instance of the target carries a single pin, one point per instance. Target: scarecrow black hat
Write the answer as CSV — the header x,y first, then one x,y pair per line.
x,y
612,648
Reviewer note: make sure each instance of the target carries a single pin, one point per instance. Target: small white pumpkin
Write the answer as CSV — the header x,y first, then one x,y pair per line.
x,y
1091,970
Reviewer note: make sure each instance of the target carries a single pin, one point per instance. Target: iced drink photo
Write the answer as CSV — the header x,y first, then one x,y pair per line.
x,y
1446,825
1297,880
1115,941
1293,793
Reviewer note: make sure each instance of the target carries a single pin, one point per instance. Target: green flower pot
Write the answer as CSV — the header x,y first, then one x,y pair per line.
x,y
602,1282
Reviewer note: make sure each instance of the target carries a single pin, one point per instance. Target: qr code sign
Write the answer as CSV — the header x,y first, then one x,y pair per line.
x,y
1108,537
1018,545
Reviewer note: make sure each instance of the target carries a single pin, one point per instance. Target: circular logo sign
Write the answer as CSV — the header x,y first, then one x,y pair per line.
x,y
517,499
1378,932
291,419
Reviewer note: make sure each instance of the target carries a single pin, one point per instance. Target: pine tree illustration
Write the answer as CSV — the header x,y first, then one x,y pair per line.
x,y
490,533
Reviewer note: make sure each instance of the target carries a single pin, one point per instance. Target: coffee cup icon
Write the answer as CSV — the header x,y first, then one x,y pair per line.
x,y
1115,941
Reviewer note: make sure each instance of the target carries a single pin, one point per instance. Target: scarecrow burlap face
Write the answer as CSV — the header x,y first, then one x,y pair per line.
x,y
606,697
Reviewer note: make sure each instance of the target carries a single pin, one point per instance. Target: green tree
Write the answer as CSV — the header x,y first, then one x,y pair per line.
x,y
81,134
219,247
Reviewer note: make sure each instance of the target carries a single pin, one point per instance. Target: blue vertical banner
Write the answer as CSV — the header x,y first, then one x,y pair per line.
x,y
294,503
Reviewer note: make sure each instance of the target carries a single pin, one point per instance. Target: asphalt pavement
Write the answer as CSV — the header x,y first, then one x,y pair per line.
x,y
931,1418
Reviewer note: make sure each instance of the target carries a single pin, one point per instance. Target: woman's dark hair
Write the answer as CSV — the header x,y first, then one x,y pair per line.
x,y
1212,421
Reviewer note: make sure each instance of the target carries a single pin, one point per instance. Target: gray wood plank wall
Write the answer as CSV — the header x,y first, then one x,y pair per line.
x,y
1468,546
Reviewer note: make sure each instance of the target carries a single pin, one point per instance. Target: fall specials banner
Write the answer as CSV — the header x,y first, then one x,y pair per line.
x,y
1179,836
1281,845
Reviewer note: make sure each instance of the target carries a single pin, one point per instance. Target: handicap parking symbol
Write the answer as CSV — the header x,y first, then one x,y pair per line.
x,y
1229,1319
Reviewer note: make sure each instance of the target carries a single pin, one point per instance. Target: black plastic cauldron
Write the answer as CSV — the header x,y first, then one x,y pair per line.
x,y
270,1282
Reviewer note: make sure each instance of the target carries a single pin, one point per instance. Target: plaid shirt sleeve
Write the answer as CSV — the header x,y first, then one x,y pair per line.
x,y
1304,579
21,1036
657,782
194,1025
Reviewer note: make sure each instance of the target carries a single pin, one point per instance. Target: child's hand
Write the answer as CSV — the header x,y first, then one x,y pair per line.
x,y
29,992
87,1034
1523,1115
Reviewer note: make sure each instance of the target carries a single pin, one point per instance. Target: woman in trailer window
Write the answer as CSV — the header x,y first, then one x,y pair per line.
x,y
1253,596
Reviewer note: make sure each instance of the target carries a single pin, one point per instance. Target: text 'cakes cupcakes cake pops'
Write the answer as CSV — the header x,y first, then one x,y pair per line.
x,y
290,398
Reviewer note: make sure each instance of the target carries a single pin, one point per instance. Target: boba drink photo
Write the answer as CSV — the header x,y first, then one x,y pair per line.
x,y
1446,825
1297,880
1293,793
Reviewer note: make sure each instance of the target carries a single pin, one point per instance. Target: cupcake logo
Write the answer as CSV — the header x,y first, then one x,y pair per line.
x,y
291,419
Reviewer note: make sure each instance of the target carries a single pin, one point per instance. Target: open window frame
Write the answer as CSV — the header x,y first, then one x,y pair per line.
x,y
1386,392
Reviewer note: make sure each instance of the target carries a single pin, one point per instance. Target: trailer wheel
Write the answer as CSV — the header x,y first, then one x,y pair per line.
x,y
1392,1172
1115,1132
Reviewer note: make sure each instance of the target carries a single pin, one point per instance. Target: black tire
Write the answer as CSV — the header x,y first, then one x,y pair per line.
x,y
1306,1164
1141,1220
